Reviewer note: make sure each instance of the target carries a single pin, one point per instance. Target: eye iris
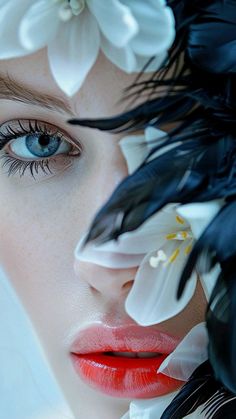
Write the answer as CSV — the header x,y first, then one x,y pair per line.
x,y
42,145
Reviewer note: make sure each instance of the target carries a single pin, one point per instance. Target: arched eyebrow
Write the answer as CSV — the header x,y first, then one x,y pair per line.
x,y
10,89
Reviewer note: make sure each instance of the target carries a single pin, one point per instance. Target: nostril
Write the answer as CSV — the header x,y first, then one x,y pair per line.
x,y
126,287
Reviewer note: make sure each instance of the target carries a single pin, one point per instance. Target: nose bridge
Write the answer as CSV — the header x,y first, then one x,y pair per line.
x,y
111,283
106,176
108,173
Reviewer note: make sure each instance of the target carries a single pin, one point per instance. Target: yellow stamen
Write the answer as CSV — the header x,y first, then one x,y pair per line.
x,y
173,256
187,249
171,236
179,219
184,234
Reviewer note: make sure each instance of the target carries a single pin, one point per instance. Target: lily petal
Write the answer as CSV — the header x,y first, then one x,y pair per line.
x,y
152,298
115,21
150,408
147,238
156,27
188,355
123,58
116,260
136,147
199,215
152,133
10,45
74,51
208,280
42,14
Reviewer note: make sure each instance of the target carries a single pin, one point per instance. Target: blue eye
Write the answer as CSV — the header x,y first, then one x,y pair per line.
x,y
27,143
38,145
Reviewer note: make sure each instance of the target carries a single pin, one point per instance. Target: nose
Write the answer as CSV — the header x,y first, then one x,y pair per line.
x,y
111,283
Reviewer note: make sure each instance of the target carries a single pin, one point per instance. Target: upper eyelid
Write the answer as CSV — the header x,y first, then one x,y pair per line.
x,y
19,123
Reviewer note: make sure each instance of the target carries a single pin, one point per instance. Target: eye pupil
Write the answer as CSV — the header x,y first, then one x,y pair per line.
x,y
44,139
42,145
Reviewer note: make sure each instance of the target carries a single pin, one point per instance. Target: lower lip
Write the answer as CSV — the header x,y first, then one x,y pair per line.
x,y
124,377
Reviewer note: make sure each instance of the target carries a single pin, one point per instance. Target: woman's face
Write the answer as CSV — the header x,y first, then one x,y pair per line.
x,y
43,219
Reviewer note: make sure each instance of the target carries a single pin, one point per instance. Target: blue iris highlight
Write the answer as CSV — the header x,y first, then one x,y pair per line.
x,y
42,145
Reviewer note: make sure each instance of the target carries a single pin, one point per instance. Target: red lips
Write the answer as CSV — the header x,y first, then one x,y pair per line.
x,y
121,376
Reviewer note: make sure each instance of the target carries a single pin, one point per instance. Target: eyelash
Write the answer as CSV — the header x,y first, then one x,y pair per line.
x,y
16,164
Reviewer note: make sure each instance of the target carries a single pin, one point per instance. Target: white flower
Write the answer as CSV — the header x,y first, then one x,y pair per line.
x,y
129,32
159,249
188,355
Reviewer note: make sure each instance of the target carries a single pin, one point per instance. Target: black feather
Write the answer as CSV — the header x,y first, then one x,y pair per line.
x,y
204,391
221,325
199,388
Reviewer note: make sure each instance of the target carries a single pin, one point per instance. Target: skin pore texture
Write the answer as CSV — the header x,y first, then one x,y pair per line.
x,y
42,221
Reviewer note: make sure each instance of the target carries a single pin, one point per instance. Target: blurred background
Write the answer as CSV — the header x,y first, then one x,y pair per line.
x,y
28,389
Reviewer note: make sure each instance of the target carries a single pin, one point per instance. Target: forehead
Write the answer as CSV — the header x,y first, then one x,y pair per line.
x,y
102,89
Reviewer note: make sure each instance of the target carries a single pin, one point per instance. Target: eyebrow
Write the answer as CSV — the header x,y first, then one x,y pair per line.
x,y
10,89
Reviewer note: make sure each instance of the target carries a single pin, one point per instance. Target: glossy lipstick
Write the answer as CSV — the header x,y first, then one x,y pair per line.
x,y
93,357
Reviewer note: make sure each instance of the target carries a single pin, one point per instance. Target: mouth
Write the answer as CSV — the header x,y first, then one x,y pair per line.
x,y
119,364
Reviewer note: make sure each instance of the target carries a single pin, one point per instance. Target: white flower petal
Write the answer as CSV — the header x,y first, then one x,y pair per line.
x,y
108,259
136,147
12,11
188,355
152,298
39,25
156,26
149,237
74,51
123,58
152,133
200,214
209,279
150,408
115,20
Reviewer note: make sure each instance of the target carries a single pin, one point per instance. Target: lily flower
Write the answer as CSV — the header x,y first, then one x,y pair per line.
x,y
129,33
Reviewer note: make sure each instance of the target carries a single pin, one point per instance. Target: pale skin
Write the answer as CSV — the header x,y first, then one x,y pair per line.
x,y
42,221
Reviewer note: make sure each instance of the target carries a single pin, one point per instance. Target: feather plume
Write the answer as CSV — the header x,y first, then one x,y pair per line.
x,y
205,393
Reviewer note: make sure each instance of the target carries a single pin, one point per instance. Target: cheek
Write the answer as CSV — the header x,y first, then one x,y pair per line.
x,y
39,231
41,225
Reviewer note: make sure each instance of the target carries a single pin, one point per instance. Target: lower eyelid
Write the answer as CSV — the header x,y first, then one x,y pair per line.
x,y
41,168
21,170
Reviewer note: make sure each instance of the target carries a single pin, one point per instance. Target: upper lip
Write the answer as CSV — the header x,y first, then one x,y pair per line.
x,y
128,338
